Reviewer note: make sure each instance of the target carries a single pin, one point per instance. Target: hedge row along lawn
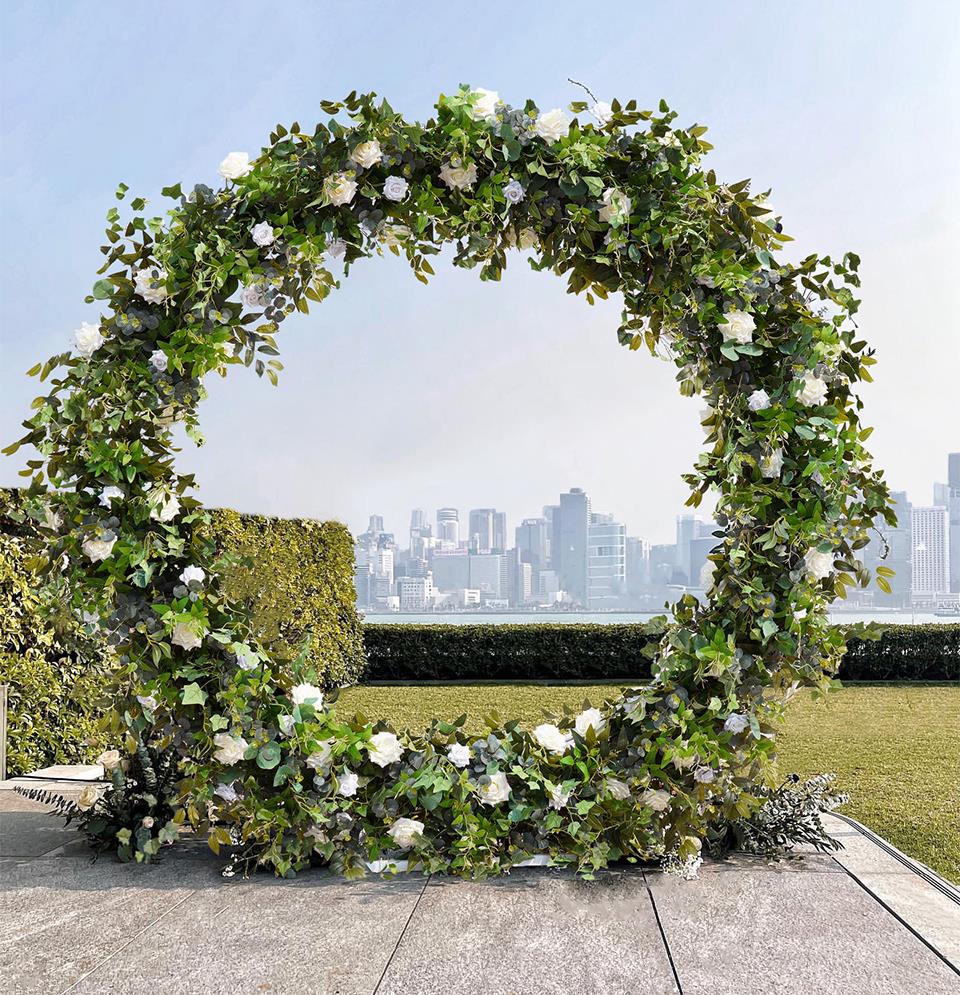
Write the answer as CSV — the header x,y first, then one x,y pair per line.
x,y
894,749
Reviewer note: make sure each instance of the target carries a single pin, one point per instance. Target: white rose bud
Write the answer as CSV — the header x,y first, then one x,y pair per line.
x,y
458,177
336,247
738,327
149,284
602,111
307,694
89,797
759,400
339,189
495,790
320,758
235,165
616,207
348,783
514,192
485,106
771,466
187,635
552,125
619,790
818,565
190,575
395,188
656,798
736,723
230,749
109,759
158,360
813,390
262,234
87,339
166,510
97,550
704,775
367,154
558,797
590,718
458,754
110,494
406,832
384,749
551,739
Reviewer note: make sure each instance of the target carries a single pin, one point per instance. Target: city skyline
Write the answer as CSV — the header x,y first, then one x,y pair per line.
x,y
397,395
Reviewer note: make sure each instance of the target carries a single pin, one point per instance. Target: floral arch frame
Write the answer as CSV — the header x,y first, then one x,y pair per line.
x,y
617,203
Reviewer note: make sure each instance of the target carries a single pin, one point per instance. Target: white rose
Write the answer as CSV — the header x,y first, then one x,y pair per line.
x,y
514,192
771,466
89,797
262,234
704,775
616,206
495,790
737,326
235,165
590,718
458,754
348,784
320,758
166,510
109,759
307,693
339,188
656,798
148,702
736,723
227,792
551,738
148,283
230,749
558,797
246,658
617,789
109,494
192,574
552,125
602,111
813,390
252,297
759,400
395,188
147,822
485,105
707,572
97,550
367,154
818,565
457,176
405,832
336,247
87,339
158,360
187,635
384,749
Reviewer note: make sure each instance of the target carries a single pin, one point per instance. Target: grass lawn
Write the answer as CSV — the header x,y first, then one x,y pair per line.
x,y
895,749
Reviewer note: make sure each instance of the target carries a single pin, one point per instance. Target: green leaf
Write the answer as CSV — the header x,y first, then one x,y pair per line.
x,y
193,694
102,290
268,756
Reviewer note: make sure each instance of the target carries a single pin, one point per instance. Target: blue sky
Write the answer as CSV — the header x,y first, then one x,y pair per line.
x,y
464,393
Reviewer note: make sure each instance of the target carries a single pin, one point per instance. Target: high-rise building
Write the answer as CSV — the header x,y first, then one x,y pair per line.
x,y
376,524
418,519
606,562
451,570
953,508
498,543
488,574
448,525
481,529
638,567
549,510
571,523
892,546
531,543
930,531
416,593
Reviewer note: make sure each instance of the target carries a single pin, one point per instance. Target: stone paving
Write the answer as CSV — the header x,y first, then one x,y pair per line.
x,y
870,924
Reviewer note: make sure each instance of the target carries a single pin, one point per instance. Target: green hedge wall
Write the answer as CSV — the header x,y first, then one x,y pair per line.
x,y
298,580
560,651
57,675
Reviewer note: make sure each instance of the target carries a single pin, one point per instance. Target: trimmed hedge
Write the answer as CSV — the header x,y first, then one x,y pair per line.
x,y
594,651
298,581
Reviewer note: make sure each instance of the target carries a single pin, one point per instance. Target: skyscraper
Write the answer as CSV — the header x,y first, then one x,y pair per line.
x,y
897,543
930,529
606,562
448,525
499,541
532,542
571,523
481,529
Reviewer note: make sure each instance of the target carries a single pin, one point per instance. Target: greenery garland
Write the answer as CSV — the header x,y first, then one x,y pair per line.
x,y
615,202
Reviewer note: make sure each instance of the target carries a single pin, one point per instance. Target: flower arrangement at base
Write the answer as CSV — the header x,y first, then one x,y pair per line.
x,y
616,200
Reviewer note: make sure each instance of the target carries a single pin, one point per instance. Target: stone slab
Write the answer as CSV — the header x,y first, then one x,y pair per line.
x,y
793,929
537,931
60,918
314,935
28,829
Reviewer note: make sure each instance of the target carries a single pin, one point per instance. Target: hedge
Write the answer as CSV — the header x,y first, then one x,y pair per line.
x,y
298,580
564,652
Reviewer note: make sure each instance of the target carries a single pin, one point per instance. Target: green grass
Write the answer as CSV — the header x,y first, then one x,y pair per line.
x,y
895,749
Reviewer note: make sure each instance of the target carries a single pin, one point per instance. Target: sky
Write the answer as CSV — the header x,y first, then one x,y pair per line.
x,y
465,393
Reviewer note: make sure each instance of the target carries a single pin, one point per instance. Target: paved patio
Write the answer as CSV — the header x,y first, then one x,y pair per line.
x,y
864,923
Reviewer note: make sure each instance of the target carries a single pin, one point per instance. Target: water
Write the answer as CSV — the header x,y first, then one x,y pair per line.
x,y
619,618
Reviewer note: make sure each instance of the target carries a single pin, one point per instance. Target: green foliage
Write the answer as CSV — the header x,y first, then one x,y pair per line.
x,y
594,651
296,577
623,204
57,672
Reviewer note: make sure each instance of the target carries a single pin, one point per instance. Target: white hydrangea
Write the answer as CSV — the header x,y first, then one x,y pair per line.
x,y
367,154
339,189
813,390
457,176
87,339
737,326
188,635
458,754
235,165
262,234
485,106
551,738
759,400
405,832
384,749
227,792
590,718
149,284
230,749
818,565
494,790
395,188
551,126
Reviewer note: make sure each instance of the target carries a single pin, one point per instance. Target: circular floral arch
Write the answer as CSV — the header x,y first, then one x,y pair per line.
x,y
617,201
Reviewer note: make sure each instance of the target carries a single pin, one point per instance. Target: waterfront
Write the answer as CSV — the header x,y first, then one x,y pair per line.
x,y
621,618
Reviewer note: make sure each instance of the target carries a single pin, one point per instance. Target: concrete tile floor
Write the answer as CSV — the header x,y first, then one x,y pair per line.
x,y
744,926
